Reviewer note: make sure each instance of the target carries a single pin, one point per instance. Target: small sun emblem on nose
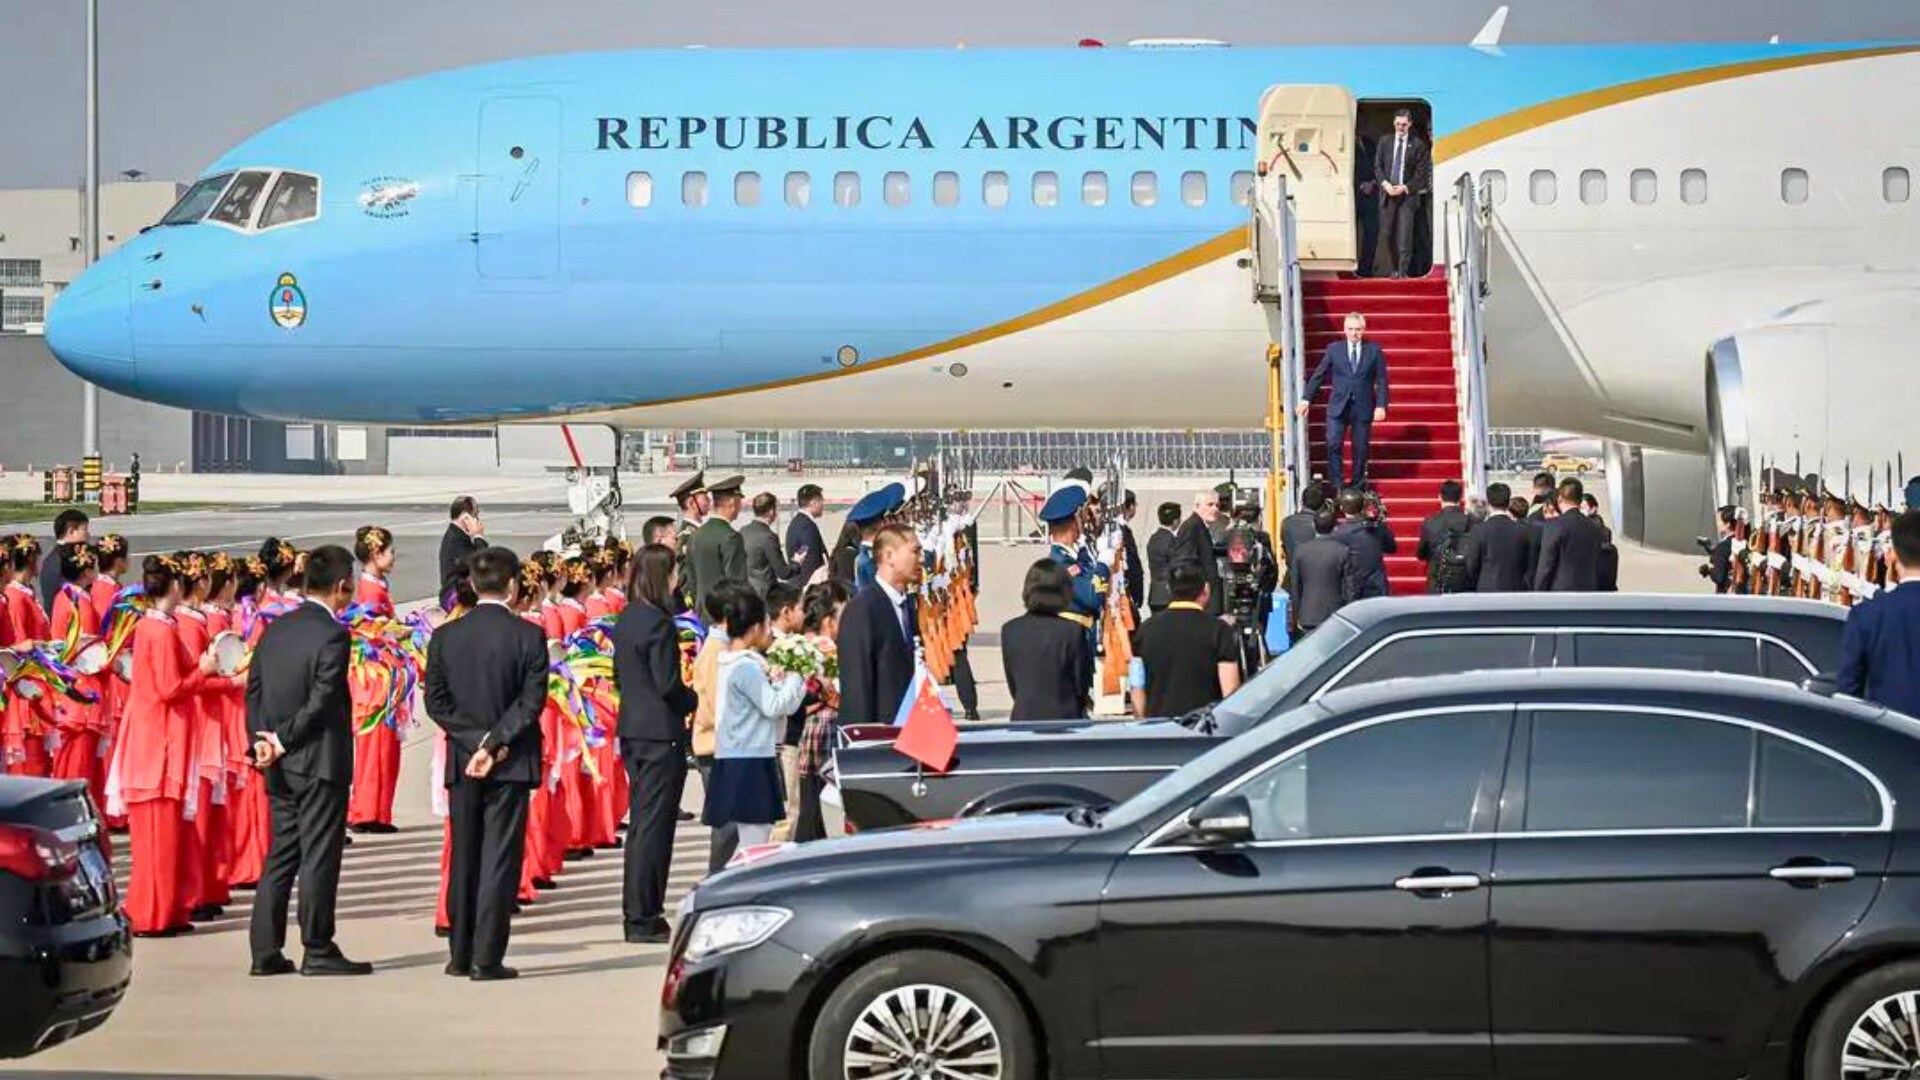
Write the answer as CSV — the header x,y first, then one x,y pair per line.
x,y
287,305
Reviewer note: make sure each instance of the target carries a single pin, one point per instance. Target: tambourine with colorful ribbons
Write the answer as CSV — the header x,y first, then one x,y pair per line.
x,y
122,618
38,670
580,685
385,662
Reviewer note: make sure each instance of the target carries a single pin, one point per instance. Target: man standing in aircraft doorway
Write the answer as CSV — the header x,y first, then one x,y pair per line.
x,y
1403,166
1357,401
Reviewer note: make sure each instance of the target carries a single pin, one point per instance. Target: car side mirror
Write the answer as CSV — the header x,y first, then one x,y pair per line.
x,y
1220,821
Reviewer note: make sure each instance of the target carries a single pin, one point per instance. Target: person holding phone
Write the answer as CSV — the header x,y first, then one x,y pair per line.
x,y
464,536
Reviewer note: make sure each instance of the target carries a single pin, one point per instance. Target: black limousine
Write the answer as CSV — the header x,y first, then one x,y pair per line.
x,y
1581,873
1003,768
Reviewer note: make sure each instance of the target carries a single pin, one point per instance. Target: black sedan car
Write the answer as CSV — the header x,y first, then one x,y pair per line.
x,y
1568,874
1002,768
66,952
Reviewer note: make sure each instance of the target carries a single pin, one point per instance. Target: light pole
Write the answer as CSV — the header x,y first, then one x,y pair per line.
x,y
89,393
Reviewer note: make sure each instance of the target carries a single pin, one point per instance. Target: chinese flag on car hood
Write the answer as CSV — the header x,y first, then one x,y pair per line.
x,y
927,734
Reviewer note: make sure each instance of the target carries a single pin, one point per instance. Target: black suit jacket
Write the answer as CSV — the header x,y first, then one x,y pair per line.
x,y
1720,564
1136,572
1371,542
654,702
1569,554
1416,170
1320,580
50,579
297,691
1501,554
1159,560
876,659
1194,543
1433,538
1049,667
455,545
486,683
803,534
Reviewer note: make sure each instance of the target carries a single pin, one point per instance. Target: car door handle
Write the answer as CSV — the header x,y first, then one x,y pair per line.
x,y
1420,882
1811,873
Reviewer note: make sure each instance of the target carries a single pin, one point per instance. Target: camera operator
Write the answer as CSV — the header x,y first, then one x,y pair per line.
x,y
1364,531
1249,576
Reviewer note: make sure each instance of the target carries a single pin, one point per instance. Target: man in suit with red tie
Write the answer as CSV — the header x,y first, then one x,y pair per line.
x,y
1357,402
1403,169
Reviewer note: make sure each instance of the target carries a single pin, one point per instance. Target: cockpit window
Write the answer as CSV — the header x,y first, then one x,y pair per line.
x,y
194,204
296,197
236,206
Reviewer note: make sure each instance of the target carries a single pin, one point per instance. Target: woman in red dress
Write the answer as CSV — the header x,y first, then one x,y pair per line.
x,y
153,771
27,720
376,753
533,876
224,702
590,828
610,794
248,826
78,722
110,559
553,729
206,809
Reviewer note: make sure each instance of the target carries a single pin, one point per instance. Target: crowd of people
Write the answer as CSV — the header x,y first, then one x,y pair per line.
x,y
242,718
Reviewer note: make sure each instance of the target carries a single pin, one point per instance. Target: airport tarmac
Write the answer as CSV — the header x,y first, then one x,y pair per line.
x,y
587,1005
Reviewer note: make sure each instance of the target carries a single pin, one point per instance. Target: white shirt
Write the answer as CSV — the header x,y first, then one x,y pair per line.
x,y
899,601
496,603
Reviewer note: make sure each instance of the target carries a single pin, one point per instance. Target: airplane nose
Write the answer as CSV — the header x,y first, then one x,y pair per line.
x,y
90,328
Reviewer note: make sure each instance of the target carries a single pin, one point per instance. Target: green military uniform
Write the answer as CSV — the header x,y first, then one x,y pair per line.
x,y
715,552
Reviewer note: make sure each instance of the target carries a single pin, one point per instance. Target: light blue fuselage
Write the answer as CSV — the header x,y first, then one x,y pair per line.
x,y
528,286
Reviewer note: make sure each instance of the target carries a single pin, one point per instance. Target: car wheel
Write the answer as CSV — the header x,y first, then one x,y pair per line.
x,y
918,1014
1871,1028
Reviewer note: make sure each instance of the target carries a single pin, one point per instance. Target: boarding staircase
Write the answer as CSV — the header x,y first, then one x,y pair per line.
x,y
1429,327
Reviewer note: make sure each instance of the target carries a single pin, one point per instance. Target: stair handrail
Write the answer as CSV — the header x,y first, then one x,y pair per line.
x,y
1276,282
1466,250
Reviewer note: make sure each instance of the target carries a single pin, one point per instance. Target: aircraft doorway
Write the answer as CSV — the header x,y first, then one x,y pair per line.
x,y
1374,128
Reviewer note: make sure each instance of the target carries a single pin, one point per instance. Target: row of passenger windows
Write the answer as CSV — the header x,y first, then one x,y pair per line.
x,y
896,189
1643,186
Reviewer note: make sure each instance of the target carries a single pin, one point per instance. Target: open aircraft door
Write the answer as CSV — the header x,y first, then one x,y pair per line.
x,y
1306,135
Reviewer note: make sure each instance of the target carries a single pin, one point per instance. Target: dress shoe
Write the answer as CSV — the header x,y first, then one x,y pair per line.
x,y
686,815
333,964
382,828
657,932
206,912
495,973
346,841
359,827
443,931
459,971
276,964
545,883
244,886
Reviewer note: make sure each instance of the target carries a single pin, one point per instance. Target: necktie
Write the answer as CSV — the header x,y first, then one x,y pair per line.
x,y
905,624
1399,159
1353,355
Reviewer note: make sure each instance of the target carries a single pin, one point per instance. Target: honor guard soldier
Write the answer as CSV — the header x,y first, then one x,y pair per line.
x,y
868,515
691,497
1088,579
715,553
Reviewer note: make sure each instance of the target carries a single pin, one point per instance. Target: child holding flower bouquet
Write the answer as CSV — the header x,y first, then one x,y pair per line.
x,y
820,623
755,700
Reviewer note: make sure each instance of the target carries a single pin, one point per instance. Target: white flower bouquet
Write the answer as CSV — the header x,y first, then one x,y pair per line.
x,y
799,655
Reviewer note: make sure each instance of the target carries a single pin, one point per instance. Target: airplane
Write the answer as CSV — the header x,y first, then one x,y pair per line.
x,y
1704,254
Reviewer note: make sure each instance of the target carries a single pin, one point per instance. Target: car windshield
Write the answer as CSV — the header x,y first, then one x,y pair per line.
x,y
197,201
1248,706
1156,798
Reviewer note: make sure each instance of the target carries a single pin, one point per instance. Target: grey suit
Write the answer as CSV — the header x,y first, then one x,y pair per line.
x,y
1320,581
766,563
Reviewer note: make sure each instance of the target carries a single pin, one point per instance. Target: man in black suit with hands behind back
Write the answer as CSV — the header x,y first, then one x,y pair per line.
x,y
486,681
301,720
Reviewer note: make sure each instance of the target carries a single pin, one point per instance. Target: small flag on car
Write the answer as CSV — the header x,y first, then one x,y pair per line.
x,y
927,731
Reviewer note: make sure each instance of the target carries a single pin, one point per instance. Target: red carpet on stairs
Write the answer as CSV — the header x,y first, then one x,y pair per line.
x,y
1418,445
